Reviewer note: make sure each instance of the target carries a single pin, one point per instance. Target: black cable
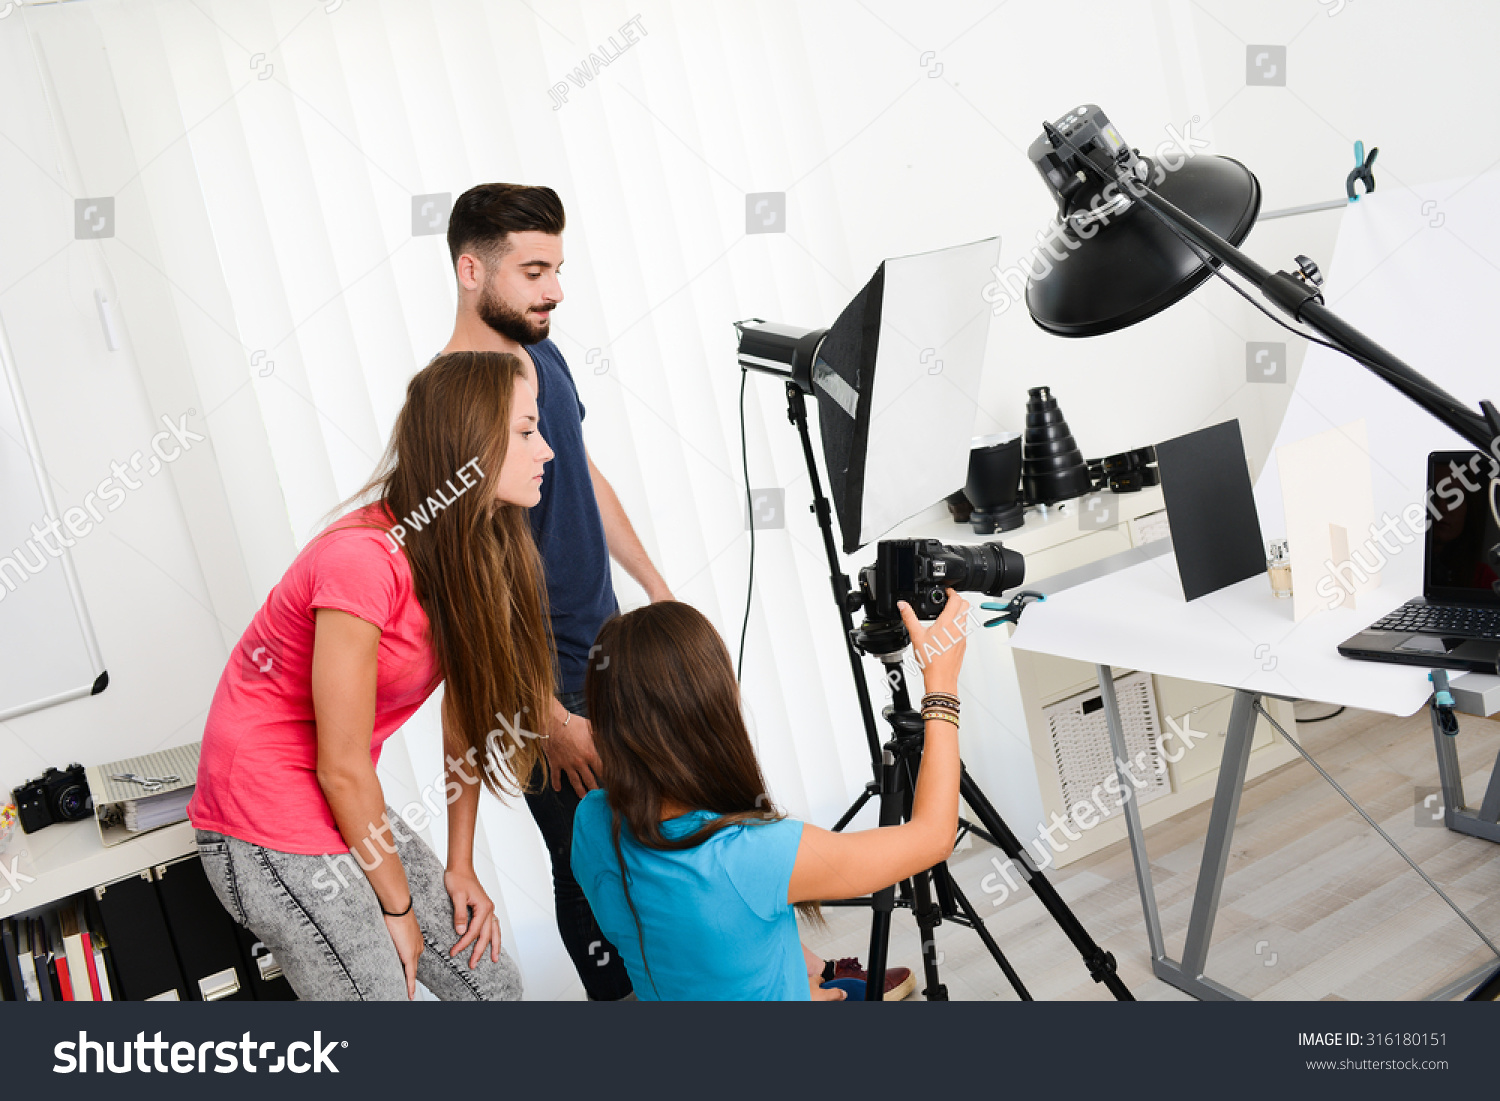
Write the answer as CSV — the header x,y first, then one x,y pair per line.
x,y
739,666
1215,267
1322,718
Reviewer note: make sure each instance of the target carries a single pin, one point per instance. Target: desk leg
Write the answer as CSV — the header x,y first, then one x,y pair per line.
x,y
1232,769
1483,823
1187,975
1132,813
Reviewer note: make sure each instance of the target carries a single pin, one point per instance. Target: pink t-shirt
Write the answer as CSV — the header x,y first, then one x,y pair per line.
x,y
257,775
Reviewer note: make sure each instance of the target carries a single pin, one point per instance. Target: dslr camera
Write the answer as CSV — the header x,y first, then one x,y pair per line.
x,y
919,570
60,795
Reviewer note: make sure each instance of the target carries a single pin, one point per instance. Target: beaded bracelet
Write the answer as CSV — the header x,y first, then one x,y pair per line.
x,y
940,698
943,716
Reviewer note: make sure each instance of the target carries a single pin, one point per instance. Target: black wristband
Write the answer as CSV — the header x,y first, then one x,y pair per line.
x,y
409,900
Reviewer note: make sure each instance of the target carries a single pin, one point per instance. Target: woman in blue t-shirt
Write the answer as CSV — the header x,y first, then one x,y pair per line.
x,y
691,872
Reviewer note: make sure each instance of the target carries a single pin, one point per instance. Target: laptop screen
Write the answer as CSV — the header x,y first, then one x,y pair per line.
x,y
1461,528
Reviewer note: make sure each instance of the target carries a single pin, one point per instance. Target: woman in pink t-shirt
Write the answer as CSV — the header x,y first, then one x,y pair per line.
x,y
436,580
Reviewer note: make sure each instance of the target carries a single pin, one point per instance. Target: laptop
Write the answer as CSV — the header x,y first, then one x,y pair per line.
x,y
1455,623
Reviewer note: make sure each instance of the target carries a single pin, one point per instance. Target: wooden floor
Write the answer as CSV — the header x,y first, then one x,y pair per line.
x,y
1315,905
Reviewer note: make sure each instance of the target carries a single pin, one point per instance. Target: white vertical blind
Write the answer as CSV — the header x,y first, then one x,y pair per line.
x,y
273,148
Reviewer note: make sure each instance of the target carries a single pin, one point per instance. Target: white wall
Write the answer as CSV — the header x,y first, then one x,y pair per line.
x,y
264,206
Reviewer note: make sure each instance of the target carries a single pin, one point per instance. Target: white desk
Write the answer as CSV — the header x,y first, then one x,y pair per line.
x,y
1241,637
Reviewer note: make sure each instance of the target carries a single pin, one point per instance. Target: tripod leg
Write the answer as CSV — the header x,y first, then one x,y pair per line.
x,y
929,917
884,901
1101,964
859,805
977,924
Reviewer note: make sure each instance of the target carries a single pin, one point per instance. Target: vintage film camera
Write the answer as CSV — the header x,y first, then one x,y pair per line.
x,y
59,795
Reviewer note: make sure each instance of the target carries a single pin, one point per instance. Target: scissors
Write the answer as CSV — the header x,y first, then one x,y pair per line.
x,y
149,783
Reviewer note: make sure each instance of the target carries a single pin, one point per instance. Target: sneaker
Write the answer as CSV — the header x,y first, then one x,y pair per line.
x,y
899,981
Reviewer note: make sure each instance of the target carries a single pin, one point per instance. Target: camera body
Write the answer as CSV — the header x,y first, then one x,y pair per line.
x,y
919,571
59,795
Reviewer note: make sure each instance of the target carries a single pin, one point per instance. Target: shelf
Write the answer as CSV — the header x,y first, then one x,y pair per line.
x,y
67,858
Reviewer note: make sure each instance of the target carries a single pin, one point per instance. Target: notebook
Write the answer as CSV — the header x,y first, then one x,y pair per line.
x,y
1455,623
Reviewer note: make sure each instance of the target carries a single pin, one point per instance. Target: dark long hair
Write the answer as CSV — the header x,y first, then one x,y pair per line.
x,y
665,709
477,572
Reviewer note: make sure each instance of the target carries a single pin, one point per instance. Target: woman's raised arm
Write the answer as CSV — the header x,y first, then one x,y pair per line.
x,y
848,865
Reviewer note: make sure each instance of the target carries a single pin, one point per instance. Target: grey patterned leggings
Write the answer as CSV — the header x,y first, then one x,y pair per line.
x,y
320,918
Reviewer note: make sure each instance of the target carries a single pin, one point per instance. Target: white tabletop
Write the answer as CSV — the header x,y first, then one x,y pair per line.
x,y
1239,637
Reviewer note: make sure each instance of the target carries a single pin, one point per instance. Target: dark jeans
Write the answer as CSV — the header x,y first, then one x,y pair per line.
x,y
594,958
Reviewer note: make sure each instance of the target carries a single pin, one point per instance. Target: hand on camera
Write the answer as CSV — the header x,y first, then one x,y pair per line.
x,y
939,649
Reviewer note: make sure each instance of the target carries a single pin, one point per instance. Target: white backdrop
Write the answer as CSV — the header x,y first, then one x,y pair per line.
x,y
263,157
1417,273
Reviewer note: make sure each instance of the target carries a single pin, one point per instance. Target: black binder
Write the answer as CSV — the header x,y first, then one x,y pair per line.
x,y
41,956
145,964
202,932
10,976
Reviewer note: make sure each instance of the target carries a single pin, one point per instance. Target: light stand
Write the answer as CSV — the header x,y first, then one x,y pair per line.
x,y
895,764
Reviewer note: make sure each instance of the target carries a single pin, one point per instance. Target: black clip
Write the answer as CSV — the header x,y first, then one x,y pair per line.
x,y
1443,703
1363,171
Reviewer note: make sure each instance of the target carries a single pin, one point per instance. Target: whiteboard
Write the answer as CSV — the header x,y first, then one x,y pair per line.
x,y
48,653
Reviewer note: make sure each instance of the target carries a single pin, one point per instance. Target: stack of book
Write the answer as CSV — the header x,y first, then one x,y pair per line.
x,y
59,955
160,934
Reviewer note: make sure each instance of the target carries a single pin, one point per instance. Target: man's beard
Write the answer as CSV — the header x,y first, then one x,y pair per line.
x,y
511,323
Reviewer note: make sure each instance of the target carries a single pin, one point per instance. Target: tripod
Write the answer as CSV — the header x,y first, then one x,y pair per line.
x,y
895,765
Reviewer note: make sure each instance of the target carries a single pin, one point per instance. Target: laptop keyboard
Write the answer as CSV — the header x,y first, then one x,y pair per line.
x,y
1463,620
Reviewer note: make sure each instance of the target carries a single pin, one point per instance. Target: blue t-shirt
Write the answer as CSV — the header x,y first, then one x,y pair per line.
x,y
715,919
566,523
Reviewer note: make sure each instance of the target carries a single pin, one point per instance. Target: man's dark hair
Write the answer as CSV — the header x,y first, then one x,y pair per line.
x,y
483,218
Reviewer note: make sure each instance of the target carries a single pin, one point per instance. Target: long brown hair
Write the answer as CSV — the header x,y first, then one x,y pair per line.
x,y
477,572
665,710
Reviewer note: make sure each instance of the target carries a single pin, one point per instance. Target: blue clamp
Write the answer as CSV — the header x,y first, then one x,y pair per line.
x,y
1443,703
1363,171
1011,611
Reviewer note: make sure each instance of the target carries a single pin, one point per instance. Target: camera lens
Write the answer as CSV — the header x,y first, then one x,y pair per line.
x,y
987,568
72,803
